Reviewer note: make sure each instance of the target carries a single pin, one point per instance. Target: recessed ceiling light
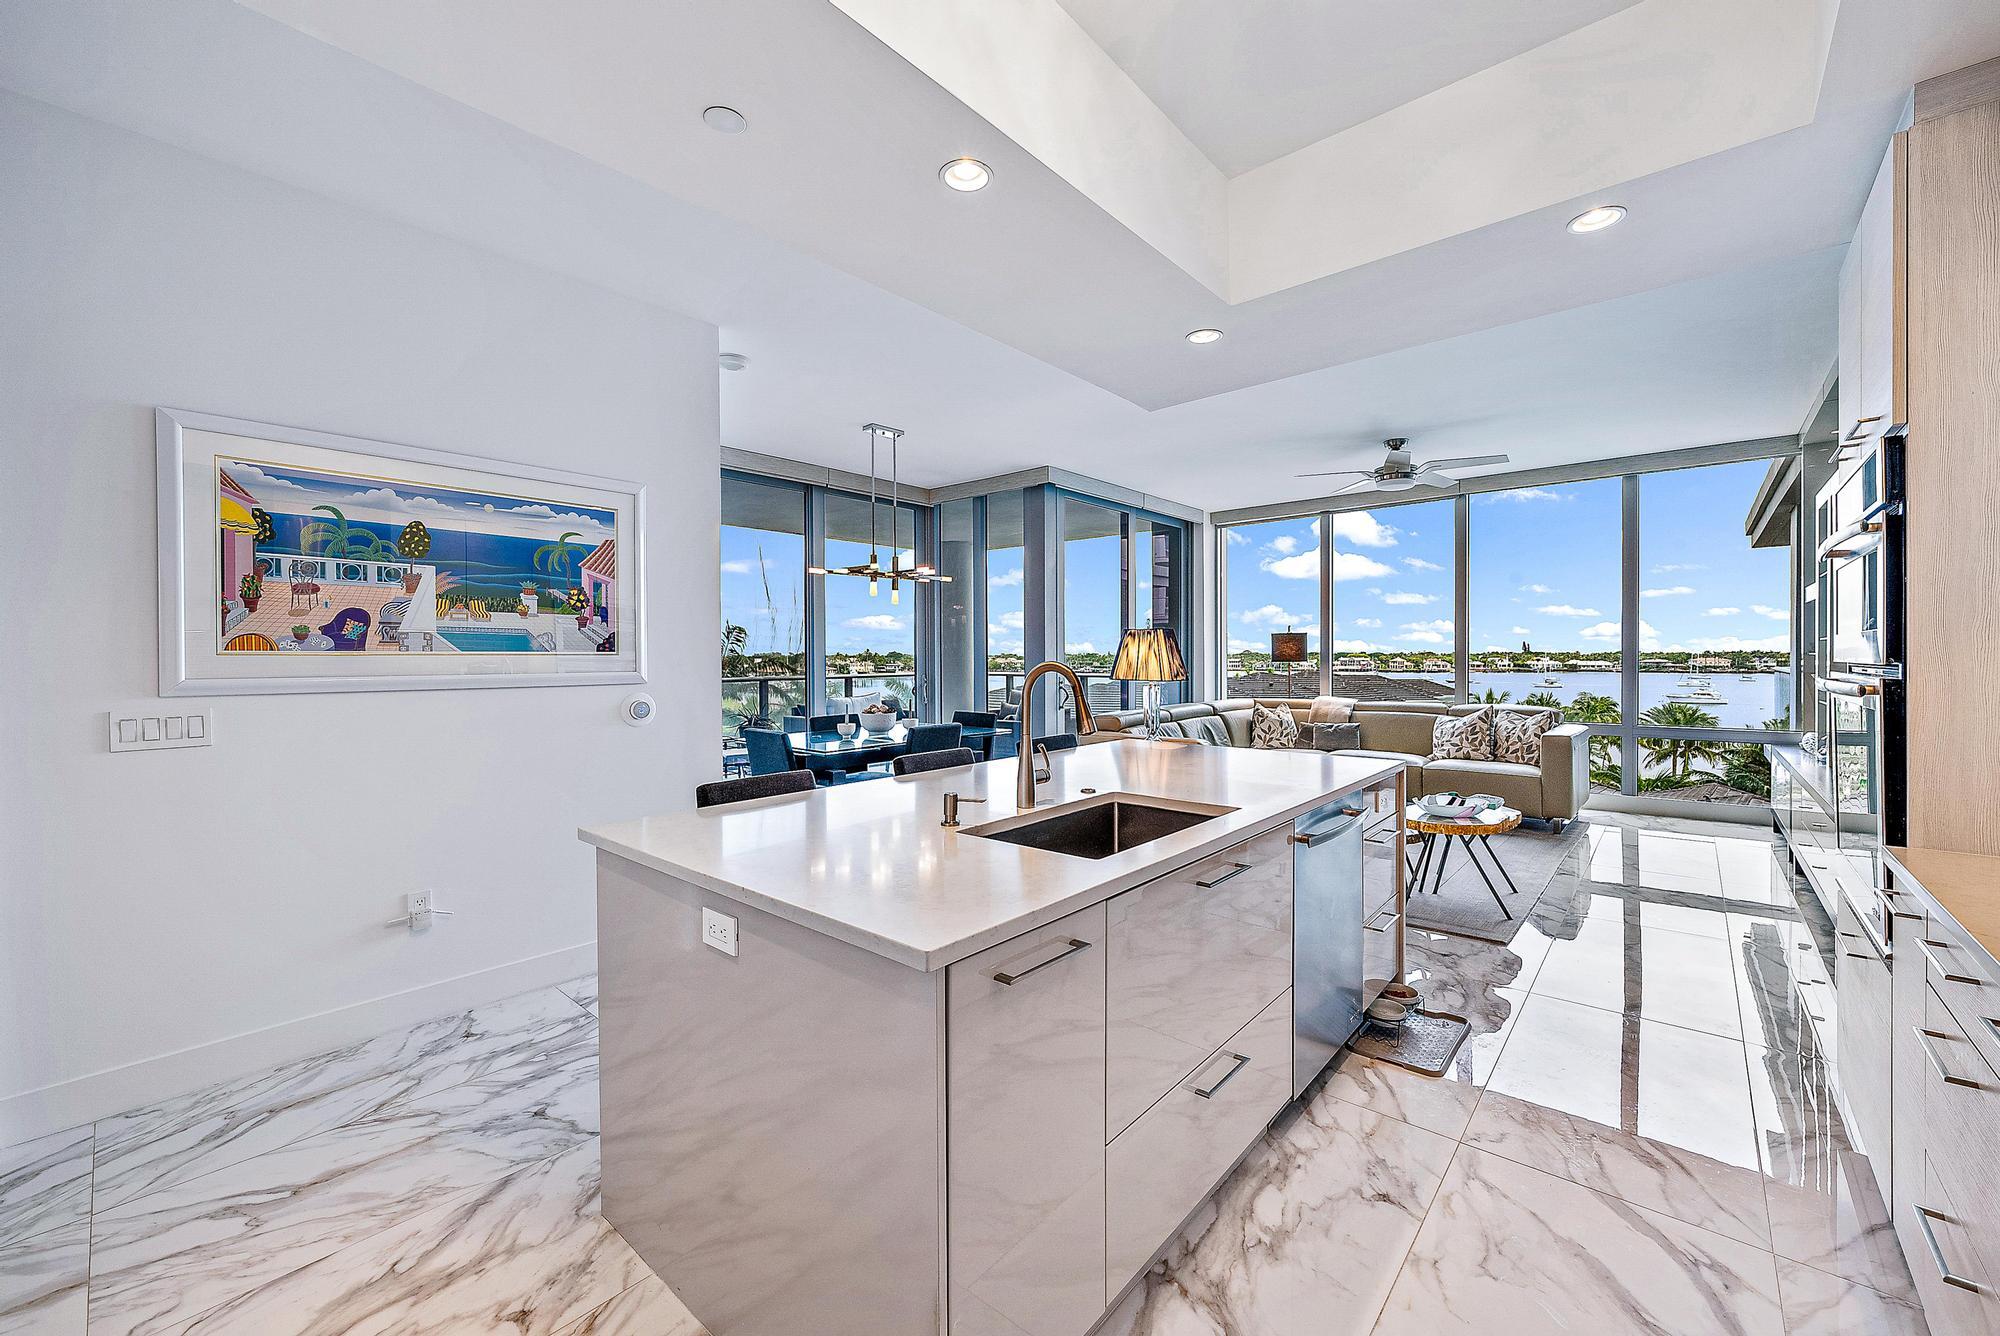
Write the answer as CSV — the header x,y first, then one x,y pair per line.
x,y
966,174
724,120
732,361
1203,335
1597,219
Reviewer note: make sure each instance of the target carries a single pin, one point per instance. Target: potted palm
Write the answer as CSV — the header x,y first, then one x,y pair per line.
x,y
413,546
250,590
302,633
579,605
529,598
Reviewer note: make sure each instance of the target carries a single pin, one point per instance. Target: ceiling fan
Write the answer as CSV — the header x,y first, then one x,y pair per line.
x,y
1399,472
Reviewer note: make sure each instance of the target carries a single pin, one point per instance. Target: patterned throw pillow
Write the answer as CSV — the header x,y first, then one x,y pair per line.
x,y
1517,735
1272,728
1463,737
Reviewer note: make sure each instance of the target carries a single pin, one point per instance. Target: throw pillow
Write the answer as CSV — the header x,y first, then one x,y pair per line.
x,y
1169,729
1272,727
1208,731
1334,737
1331,710
1463,737
1517,735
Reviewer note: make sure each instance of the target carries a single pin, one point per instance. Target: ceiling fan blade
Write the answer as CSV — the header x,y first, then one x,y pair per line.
x,y
1366,481
1337,473
1463,462
1422,479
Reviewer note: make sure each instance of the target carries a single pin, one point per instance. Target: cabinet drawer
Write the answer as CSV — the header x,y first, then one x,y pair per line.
x,y
1865,1038
1191,958
1958,974
1025,1158
1962,1127
1381,867
1938,1244
1382,805
1381,934
1162,1166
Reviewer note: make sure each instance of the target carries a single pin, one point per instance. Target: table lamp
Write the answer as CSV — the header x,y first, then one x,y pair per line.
x,y
1151,655
1288,647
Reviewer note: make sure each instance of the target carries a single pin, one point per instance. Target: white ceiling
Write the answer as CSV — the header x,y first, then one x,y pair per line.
x,y
1023,325
1252,80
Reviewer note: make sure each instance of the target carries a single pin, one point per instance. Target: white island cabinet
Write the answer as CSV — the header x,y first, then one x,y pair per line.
x,y
955,1085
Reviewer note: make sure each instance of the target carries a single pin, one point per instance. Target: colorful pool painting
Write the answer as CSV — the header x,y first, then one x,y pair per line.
x,y
313,561
330,563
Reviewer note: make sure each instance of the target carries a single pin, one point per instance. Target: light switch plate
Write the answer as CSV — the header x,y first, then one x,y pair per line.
x,y
146,728
718,930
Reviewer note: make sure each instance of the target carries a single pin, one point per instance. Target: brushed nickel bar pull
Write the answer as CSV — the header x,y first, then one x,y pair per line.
x,y
1074,946
1924,1217
1235,870
1930,950
1241,1061
1924,1038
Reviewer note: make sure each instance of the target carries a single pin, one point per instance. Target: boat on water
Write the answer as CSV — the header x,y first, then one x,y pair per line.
x,y
1549,682
1702,694
1746,677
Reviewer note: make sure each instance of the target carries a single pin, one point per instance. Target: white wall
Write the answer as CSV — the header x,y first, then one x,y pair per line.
x,y
156,910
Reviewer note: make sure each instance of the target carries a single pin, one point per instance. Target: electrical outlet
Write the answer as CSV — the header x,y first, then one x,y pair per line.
x,y
719,931
422,913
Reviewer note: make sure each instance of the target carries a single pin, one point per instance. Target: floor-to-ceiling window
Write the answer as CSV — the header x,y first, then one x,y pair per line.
x,y
1271,585
763,601
1159,587
1393,635
1006,606
1545,596
1093,596
1716,636
871,628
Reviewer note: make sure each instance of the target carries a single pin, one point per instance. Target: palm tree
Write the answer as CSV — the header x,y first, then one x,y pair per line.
x,y
1546,700
339,538
556,557
1680,754
734,638
1493,697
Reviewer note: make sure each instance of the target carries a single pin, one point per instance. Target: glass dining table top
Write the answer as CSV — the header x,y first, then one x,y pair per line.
x,y
829,743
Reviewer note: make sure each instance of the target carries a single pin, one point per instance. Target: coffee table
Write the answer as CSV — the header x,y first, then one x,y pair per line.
x,y
1436,835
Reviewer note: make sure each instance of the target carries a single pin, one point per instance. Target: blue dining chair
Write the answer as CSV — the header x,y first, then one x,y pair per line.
x,y
949,759
718,792
826,723
934,737
795,723
1058,742
770,753
979,719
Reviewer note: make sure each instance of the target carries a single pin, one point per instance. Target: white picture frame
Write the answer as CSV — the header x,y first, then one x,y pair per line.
x,y
352,563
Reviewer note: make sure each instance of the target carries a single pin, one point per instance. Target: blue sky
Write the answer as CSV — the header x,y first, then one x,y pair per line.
x,y
1544,569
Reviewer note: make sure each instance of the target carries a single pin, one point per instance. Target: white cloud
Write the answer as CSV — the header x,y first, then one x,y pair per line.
x,y
1726,643
257,482
1305,566
1723,612
1607,632
1536,589
1243,646
1519,631
1775,614
1435,624
1354,566
535,510
1354,647
1668,592
1080,647
388,498
1422,637
738,567
1521,494
1284,545
1234,536
1362,529
1272,616
1668,568
1426,633
1404,598
1004,580
1367,621
1012,621
1565,610
1419,564
876,621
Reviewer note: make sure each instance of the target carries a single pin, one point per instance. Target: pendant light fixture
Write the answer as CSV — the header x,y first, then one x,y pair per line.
x,y
872,570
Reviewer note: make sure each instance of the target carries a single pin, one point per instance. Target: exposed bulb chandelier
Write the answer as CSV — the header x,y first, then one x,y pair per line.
x,y
872,570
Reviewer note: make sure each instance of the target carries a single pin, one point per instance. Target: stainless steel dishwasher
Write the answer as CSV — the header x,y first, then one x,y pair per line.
x,y
1326,934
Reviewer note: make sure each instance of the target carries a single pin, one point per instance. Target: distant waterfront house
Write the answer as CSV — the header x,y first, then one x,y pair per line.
x,y
1437,665
1709,661
234,513
599,574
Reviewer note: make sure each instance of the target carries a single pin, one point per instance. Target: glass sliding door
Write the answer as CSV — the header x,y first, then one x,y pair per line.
x,y
871,637
1007,577
763,603
1093,598
960,604
1393,623
1545,584
1271,584
1159,594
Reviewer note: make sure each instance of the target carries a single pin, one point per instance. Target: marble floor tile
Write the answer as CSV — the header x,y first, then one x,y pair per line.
x,y
44,1183
1304,1239
160,1260
1817,1304
1652,1113
1618,964
1464,976
647,1309
1839,1224
526,1255
1506,1248
583,992
42,1283
154,1148
1438,1104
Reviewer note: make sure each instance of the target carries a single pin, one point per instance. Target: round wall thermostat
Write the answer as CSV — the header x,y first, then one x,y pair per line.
x,y
637,710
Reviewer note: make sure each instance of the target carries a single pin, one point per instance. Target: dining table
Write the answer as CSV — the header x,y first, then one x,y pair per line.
x,y
825,749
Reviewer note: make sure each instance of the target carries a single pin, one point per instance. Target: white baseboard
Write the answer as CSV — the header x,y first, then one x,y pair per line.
x,y
85,1099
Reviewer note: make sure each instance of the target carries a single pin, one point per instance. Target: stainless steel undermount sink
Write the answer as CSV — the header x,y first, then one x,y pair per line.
x,y
1102,826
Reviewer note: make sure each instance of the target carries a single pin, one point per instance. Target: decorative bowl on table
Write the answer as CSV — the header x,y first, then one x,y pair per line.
x,y
878,721
846,728
1447,806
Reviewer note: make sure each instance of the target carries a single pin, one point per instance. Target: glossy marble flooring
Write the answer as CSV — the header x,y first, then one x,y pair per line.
x,y
1636,1138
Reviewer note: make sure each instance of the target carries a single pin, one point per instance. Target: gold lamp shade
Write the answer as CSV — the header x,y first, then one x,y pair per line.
x,y
1288,647
1149,654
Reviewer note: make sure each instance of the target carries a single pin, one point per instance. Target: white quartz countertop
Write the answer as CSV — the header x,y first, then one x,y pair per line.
x,y
869,864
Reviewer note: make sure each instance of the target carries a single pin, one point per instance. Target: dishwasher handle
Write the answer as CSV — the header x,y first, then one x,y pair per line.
x,y
1312,839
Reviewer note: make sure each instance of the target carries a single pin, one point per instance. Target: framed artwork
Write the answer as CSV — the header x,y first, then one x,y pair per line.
x,y
295,560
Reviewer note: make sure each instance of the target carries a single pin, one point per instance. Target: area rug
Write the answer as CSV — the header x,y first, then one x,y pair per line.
x,y
1463,905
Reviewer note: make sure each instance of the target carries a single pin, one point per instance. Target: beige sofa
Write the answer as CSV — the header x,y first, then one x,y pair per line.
x,y
1553,791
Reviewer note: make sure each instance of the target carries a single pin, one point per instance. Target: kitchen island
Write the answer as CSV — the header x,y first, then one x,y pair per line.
x,y
973,1080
